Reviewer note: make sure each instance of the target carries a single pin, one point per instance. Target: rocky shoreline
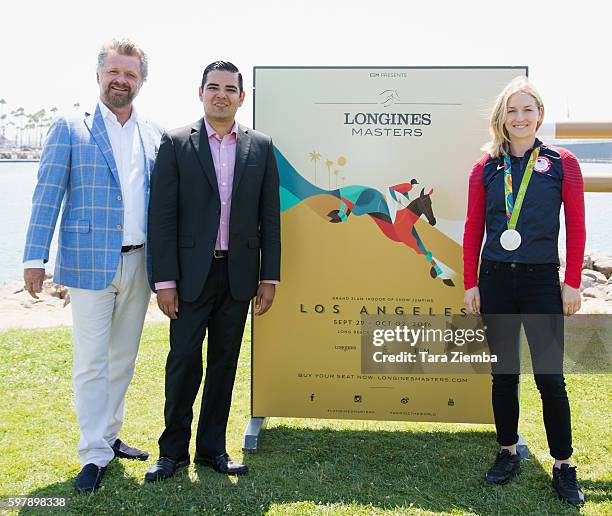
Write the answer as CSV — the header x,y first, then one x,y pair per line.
x,y
596,285
19,310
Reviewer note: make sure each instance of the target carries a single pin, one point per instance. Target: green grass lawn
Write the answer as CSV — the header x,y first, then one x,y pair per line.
x,y
303,466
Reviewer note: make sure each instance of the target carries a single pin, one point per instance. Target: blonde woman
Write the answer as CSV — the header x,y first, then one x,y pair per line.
x,y
516,191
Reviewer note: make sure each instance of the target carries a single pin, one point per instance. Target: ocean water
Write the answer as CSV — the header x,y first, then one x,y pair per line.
x,y
18,180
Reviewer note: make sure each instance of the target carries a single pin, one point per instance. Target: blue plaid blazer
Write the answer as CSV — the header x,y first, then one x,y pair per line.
x,y
77,168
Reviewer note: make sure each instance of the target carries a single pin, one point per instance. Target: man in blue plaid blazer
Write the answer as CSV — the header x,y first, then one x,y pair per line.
x,y
99,167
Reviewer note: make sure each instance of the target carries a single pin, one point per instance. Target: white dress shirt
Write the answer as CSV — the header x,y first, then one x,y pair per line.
x,y
129,157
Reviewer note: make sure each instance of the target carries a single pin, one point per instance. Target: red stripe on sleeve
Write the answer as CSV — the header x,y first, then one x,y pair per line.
x,y
572,195
474,224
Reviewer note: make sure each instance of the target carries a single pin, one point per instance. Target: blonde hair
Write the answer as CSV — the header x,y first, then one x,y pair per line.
x,y
125,47
499,145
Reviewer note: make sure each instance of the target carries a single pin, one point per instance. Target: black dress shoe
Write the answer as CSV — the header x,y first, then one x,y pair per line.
x,y
89,478
222,464
504,468
123,451
164,468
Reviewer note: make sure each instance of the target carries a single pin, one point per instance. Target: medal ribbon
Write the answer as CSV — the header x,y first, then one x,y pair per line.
x,y
513,210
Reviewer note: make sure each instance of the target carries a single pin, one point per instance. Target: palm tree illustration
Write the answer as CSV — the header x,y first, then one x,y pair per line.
x,y
329,164
315,156
341,161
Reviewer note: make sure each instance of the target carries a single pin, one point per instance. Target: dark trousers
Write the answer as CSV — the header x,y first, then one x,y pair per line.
x,y
224,317
527,290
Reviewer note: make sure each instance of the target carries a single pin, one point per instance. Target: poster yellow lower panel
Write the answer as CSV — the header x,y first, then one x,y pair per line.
x,y
306,350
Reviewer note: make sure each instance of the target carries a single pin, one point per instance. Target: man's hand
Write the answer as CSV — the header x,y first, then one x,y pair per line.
x,y
265,297
168,302
571,299
472,301
33,279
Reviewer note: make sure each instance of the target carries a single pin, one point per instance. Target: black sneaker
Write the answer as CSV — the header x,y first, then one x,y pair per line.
x,y
504,468
565,483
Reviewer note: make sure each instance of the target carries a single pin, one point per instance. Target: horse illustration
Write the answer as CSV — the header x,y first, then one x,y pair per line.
x,y
394,212
395,216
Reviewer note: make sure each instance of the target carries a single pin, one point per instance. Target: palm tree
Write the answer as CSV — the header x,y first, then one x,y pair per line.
x,y
329,164
31,118
76,105
2,116
336,172
45,123
18,114
31,126
38,119
315,156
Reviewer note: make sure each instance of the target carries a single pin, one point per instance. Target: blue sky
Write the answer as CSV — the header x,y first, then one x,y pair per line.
x,y
50,48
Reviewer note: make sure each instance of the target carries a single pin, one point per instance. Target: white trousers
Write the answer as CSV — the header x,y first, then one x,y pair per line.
x,y
107,325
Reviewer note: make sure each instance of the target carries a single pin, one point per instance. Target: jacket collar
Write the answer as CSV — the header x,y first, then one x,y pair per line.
x,y
95,124
199,141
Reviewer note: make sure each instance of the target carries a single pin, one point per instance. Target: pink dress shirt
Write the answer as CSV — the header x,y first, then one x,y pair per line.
x,y
223,152
224,158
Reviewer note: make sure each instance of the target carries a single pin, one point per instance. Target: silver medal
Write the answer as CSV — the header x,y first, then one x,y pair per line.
x,y
510,239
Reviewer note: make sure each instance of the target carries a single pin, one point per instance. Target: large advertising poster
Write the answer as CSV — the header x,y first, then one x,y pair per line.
x,y
373,167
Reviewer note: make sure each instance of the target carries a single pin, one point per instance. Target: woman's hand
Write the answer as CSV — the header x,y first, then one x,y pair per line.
x,y
571,299
472,300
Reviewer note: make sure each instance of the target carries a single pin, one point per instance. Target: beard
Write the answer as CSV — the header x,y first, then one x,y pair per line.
x,y
116,100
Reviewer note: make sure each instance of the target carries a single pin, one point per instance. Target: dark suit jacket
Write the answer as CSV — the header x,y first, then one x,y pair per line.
x,y
185,207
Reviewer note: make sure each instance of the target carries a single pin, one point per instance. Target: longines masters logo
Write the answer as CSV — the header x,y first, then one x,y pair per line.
x,y
388,114
387,123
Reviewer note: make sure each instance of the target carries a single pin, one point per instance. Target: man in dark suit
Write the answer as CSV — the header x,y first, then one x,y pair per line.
x,y
214,237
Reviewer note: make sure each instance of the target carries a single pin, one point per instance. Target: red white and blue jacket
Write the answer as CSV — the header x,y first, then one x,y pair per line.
x,y
556,179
